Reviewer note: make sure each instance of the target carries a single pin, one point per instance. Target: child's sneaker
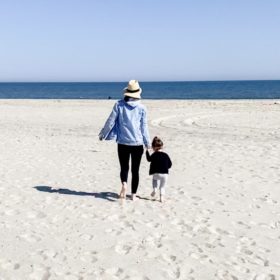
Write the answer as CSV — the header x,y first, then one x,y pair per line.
x,y
153,193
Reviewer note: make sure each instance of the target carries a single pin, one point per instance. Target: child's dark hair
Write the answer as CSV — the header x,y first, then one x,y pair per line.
x,y
157,143
126,98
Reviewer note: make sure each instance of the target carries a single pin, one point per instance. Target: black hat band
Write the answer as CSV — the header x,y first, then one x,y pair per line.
x,y
132,91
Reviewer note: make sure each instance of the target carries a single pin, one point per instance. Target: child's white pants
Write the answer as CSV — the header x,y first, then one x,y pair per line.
x,y
160,180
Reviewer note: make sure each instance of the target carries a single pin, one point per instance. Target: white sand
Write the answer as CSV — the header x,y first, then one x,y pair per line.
x,y
221,219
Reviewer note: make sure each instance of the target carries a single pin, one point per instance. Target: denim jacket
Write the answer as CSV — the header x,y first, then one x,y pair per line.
x,y
127,124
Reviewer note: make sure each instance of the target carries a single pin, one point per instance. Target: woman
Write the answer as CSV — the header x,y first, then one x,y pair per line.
x,y
127,124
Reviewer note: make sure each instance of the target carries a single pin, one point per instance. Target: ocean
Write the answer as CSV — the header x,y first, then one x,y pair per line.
x,y
151,90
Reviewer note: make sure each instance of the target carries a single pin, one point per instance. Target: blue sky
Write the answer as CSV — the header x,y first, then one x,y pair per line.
x,y
110,40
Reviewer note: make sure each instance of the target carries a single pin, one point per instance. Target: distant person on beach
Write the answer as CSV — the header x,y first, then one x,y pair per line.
x,y
127,124
160,164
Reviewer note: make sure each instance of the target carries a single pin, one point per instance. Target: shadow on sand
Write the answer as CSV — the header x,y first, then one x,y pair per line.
x,y
103,195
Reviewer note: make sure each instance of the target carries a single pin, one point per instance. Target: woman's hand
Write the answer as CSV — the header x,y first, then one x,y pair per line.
x,y
100,136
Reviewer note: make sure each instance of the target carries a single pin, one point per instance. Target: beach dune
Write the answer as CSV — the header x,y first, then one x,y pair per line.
x,y
61,219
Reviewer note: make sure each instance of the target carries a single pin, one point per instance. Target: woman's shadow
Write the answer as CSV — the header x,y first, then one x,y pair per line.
x,y
110,196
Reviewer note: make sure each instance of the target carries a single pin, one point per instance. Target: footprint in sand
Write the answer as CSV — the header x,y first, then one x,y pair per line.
x,y
240,223
222,231
274,225
170,259
122,249
265,277
209,245
40,272
35,215
263,250
224,275
266,199
174,273
30,238
89,257
11,212
53,255
86,236
199,254
259,261
196,198
6,264
114,272
220,203
255,206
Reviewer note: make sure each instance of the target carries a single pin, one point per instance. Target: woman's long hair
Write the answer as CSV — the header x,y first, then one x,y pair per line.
x,y
128,98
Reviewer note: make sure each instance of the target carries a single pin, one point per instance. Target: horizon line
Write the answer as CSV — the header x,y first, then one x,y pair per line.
x,y
146,81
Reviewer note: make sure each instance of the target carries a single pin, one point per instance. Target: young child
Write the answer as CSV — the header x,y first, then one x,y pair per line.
x,y
160,163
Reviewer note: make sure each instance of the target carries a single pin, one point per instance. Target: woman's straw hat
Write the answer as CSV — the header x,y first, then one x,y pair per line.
x,y
133,89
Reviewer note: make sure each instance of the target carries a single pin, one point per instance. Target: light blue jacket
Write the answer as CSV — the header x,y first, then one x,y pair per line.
x,y
127,124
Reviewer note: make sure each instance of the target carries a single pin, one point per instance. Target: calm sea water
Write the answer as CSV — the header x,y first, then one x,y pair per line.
x,y
151,90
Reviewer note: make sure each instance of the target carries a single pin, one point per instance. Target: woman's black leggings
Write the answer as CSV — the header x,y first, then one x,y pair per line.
x,y
136,152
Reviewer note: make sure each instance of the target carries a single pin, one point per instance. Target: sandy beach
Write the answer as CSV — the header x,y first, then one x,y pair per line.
x,y
221,218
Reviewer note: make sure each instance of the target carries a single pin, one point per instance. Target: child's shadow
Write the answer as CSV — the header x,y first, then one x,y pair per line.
x,y
103,195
